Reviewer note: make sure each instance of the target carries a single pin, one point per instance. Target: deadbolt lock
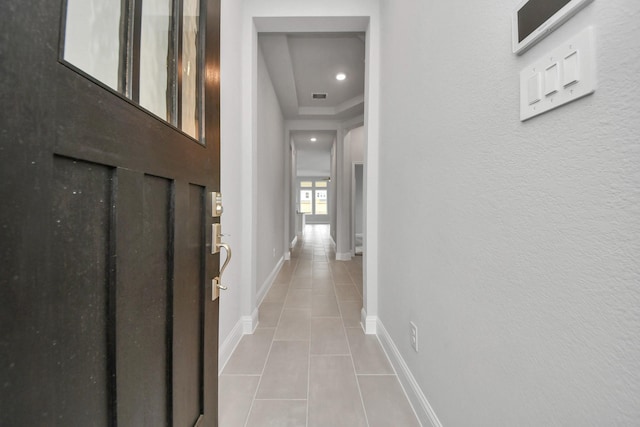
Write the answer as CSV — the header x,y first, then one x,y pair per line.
x,y
216,204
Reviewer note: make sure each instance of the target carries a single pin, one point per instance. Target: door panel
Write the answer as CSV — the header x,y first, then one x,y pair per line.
x,y
107,316
80,289
188,308
143,299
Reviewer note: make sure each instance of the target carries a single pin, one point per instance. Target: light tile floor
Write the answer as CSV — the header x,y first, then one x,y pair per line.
x,y
309,364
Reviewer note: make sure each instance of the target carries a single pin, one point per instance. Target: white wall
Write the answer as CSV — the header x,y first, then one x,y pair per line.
x,y
514,247
231,301
313,163
270,178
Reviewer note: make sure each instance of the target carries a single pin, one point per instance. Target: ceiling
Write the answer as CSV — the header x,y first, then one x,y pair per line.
x,y
301,64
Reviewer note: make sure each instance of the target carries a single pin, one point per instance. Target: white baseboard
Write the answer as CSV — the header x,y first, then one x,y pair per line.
x,y
266,285
343,256
418,400
369,323
247,324
287,256
229,345
250,323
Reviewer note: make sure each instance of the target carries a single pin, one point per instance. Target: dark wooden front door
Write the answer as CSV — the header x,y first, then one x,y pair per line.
x,y
106,315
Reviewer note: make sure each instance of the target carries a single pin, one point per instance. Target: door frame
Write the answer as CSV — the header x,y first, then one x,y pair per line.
x,y
282,17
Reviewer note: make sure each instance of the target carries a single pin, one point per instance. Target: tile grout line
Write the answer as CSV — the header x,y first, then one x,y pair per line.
x,y
355,374
281,400
309,348
353,365
310,338
255,394
309,353
308,380
354,285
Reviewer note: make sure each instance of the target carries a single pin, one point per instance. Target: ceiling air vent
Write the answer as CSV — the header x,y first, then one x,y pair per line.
x,y
319,95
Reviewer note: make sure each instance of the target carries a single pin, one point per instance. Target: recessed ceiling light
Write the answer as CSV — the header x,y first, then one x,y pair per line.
x,y
341,76
314,139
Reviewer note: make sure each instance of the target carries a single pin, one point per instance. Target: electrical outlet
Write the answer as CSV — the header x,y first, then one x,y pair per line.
x,y
413,335
274,252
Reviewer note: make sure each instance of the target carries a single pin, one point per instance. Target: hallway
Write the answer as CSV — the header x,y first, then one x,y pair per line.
x,y
309,362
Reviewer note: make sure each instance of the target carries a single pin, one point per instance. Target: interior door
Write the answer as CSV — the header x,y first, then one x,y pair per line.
x,y
106,313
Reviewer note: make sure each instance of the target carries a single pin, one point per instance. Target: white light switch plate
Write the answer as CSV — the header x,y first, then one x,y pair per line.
x,y
576,64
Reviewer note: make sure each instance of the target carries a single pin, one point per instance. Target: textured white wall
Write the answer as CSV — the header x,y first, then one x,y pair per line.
x,y
515,247
270,174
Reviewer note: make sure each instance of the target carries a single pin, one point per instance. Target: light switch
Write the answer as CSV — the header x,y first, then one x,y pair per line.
x,y
534,88
560,76
571,70
551,79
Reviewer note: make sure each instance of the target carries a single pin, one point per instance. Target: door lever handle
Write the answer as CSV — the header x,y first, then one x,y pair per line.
x,y
216,283
217,244
226,247
216,287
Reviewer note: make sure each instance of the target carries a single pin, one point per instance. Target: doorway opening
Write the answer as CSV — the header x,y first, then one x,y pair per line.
x,y
284,35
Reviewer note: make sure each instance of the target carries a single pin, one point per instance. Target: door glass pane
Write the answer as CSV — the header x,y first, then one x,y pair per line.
x,y
306,184
92,38
306,201
154,47
321,184
321,202
144,52
190,96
